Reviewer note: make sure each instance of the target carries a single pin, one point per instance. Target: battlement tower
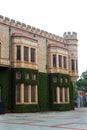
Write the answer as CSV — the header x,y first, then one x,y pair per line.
x,y
72,45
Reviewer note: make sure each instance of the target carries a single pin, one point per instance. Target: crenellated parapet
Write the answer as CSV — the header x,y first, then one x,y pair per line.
x,y
23,26
69,35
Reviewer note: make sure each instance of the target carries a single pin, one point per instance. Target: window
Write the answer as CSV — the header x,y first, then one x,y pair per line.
x,y
64,62
18,93
60,61
25,53
54,60
18,52
55,94
18,75
33,93
66,80
34,76
76,65
0,94
32,55
72,65
66,94
26,94
61,95
54,79
27,76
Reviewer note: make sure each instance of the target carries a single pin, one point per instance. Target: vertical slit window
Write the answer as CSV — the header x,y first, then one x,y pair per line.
x,y
25,93
64,62
61,94
18,93
66,95
55,94
76,65
60,61
54,60
72,65
25,53
32,55
18,53
32,93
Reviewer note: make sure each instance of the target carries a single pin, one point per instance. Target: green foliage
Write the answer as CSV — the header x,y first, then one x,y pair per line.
x,y
82,82
5,86
43,92
52,84
45,85
75,95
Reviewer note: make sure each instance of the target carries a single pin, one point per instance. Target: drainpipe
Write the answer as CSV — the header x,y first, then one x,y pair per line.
x,y
47,54
10,44
9,93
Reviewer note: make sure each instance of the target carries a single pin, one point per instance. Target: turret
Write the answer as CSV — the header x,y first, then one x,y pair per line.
x,y
72,44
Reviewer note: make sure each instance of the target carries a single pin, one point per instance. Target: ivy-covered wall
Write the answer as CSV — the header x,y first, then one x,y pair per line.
x,y
43,92
59,83
5,87
45,85
23,107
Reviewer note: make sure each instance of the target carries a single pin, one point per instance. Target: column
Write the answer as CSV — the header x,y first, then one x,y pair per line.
x,y
63,94
68,95
22,93
58,95
29,92
36,94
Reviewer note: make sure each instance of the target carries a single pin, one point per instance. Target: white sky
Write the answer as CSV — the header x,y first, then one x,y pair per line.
x,y
54,16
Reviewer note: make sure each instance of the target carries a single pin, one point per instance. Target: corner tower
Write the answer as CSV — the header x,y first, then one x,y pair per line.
x,y
72,45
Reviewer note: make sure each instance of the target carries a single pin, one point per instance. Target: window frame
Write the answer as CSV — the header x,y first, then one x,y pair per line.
x,y
29,94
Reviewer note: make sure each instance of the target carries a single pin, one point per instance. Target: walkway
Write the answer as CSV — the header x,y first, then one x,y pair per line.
x,y
70,120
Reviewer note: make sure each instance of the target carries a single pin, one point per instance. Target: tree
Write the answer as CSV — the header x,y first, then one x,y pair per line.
x,y
82,82
75,92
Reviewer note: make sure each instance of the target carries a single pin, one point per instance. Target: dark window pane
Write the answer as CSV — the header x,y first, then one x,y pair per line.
x,y
66,94
18,53
60,61
25,53
25,93
32,93
18,93
54,60
18,75
72,64
76,65
61,94
55,94
64,61
32,55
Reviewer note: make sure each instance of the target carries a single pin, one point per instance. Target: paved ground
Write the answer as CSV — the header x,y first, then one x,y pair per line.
x,y
70,120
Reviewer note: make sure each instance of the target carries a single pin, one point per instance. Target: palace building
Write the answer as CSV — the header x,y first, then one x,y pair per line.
x,y
37,68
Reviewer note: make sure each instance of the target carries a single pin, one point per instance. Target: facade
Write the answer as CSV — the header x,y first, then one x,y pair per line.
x,y
37,68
